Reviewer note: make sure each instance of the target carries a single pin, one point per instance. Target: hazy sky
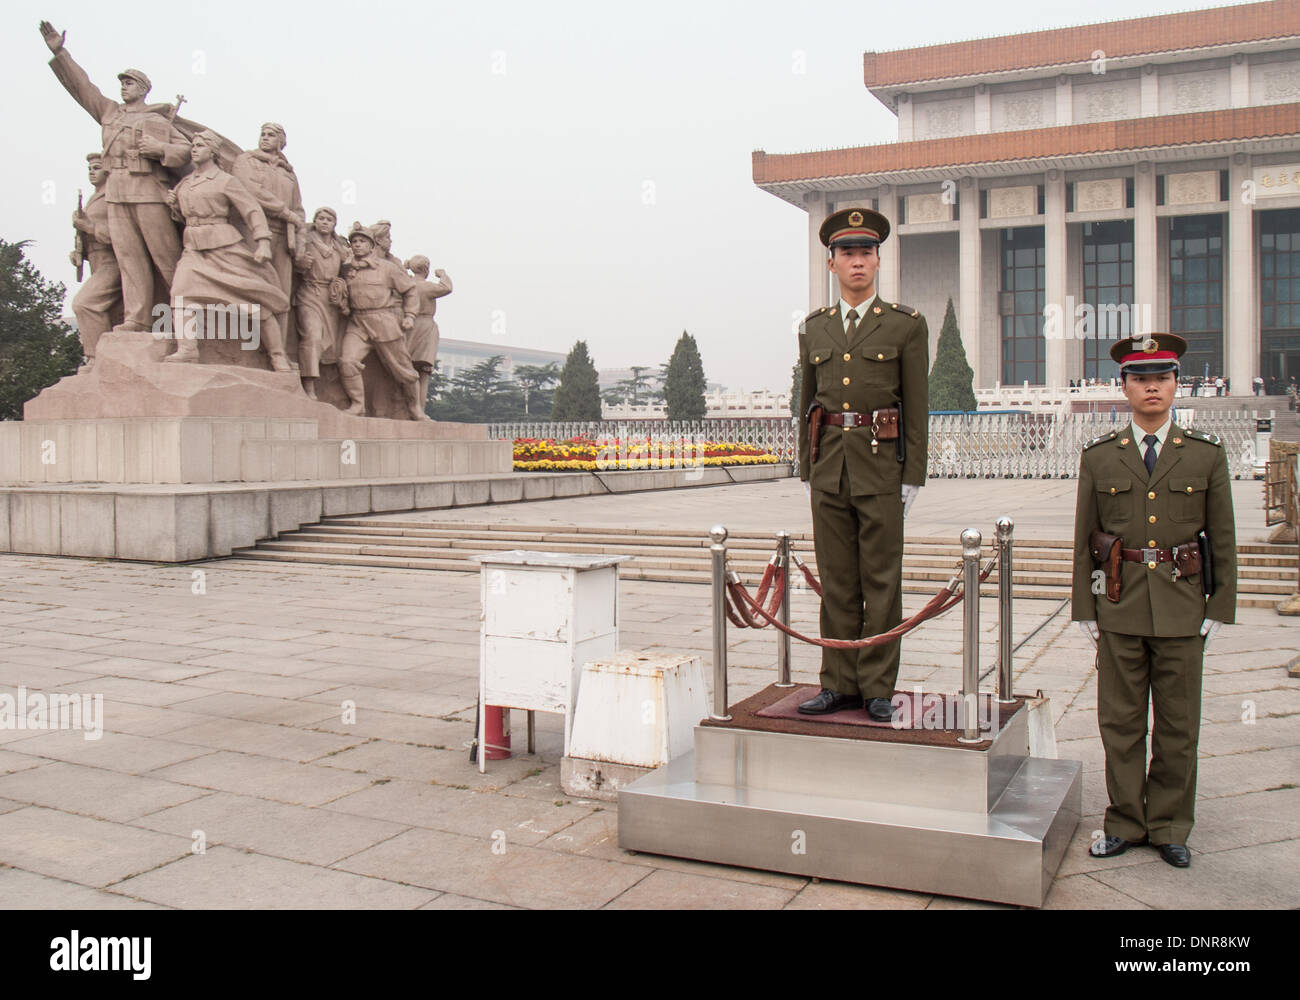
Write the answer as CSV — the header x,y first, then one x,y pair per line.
x,y
582,170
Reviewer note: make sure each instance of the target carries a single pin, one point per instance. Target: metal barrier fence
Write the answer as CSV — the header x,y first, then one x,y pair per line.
x,y
962,445
1047,445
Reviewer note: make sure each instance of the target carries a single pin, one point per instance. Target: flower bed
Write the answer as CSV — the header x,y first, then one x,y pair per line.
x,y
598,455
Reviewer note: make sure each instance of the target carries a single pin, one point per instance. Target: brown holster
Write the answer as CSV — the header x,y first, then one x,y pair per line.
x,y
1105,551
815,416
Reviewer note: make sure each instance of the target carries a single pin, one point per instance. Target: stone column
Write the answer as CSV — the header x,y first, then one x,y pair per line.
x,y
1054,257
1241,345
904,120
969,283
983,109
817,280
1149,82
1146,276
1239,81
1064,100
889,280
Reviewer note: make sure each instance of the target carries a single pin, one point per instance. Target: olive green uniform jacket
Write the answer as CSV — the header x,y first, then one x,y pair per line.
x,y
1188,491
886,363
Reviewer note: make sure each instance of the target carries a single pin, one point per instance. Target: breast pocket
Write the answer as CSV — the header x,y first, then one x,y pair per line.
x,y
1114,501
1187,503
881,366
818,355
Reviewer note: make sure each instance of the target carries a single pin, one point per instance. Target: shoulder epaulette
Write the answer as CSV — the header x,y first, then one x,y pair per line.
x,y
1205,436
815,313
1098,440
907,309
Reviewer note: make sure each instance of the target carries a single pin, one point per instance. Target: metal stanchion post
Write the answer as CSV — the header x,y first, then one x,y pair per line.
x,y
970,647
718,554
782,638
1005,529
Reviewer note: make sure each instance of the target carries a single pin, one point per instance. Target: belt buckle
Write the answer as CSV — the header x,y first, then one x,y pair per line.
x,y
852,420
1151,555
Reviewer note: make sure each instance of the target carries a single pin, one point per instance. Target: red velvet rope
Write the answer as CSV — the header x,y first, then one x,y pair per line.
x,y
941,602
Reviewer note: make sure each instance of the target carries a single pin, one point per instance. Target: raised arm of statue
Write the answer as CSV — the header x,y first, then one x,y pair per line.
x,y
74,78
442,285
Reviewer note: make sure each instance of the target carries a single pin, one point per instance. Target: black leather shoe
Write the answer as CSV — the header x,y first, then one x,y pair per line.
x,y
880,710
829,701
1113,847
1176,854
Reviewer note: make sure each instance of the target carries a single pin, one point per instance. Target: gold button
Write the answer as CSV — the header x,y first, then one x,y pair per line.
x,y
846,406
880,357
1151,519
1152,543
848,357
1112,491
1151,565
846,381
817,358
1151,495
1189,489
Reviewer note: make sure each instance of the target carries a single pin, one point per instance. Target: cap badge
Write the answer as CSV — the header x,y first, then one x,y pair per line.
x,y
1150,346
855,218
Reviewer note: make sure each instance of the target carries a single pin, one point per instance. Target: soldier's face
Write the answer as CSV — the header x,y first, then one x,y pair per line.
x,y
96,172
324,223
1150,395
269,140
361,246
132,90
855,267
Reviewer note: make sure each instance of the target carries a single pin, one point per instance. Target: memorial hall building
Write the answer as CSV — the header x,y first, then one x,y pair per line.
x,y
1069,186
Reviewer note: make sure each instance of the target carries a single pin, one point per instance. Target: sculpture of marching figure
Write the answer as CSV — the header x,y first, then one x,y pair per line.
x,y
319,296
217,268
383,301
98,306
423,339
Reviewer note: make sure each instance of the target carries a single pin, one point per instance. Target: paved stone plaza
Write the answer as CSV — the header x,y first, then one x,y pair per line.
x,y
224,728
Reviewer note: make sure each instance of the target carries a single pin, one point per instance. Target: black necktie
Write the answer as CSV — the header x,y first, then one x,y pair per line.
x,y
1150,457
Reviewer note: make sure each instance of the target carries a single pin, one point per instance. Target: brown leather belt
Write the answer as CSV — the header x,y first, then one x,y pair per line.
x,y
1147,555
883,423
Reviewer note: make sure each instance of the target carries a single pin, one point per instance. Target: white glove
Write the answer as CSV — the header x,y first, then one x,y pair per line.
x,y
1091,631
909,496
1208,627
807,489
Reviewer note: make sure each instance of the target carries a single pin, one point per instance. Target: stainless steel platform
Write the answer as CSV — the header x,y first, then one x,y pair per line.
x,y
987,824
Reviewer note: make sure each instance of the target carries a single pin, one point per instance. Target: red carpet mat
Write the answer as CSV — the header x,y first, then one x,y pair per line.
x,y
931,719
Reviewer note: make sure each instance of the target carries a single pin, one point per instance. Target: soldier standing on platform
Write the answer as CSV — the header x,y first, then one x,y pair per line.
x,y
1155,575
862,452
140,146
98,305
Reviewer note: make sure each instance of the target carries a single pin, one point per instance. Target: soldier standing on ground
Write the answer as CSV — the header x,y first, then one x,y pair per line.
x,y
1146,494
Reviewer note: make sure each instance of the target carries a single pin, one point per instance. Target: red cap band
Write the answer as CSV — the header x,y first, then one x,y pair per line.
x,y
1153,356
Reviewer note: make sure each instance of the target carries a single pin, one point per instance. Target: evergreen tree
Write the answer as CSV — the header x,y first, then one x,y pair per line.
x,y
578,395
36,347
951,378
796,386
684,383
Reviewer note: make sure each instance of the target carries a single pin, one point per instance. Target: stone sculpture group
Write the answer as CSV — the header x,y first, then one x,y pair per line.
x,y
193,240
